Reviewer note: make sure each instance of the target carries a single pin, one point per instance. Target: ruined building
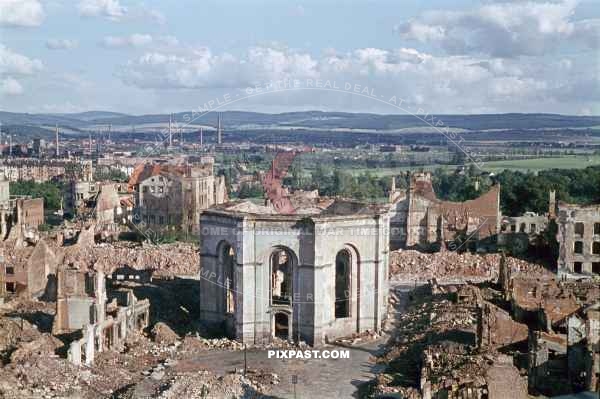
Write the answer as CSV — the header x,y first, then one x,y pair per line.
x,y
172,196
103,319
419,219
26,271
518,233
579,240
311,276
19,215
104,202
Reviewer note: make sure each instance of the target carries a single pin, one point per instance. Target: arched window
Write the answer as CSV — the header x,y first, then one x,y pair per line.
x,y
228,261
342,284
281,277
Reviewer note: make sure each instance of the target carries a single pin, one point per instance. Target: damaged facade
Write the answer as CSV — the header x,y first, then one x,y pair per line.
x,y
579,240
419,219
102,319
519,232
309,277
174,195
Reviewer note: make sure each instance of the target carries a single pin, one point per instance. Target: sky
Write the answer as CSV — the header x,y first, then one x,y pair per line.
x,y
441,57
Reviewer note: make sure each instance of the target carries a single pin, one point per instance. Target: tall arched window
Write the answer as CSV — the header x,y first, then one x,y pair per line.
x,y
342,284
281,277
228,262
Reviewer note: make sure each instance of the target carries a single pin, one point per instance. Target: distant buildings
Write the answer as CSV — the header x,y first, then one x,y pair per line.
x,y
43,170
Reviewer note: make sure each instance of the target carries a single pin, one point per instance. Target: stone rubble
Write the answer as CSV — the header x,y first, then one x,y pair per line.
x,y
411,265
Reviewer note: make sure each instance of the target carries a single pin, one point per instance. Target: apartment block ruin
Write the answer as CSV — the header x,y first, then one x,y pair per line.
x,y
173,196
101,319
19,215
312,276
579,240
419,219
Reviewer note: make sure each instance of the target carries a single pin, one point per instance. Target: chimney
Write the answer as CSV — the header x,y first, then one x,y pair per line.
x,y
57,148
219,131
170,132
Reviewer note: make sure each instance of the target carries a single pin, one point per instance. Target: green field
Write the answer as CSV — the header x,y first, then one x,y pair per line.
x,y
568,162
534,165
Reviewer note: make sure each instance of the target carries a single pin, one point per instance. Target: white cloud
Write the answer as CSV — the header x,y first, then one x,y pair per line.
x,y
200,68
12,63
10,87
61,44
447,83
503,29
21,13
139,40
134,40
110,9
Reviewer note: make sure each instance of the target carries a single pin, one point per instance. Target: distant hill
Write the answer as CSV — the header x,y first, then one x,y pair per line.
x,y
92,115
239,120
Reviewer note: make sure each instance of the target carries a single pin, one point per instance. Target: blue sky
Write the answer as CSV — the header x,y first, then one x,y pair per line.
x,y
158,56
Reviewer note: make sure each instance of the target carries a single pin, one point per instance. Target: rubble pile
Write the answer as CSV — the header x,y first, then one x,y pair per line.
x,y
163,334
413,265
195,344
430,323
359,338
204,384
164,259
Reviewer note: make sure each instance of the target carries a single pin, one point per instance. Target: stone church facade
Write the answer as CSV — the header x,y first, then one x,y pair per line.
x,y
301,277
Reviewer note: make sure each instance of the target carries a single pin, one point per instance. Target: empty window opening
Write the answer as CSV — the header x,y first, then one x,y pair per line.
x,y
579,228
342,284
11,288
281,277
282,326
596,268
597,229
228,259
578,247
596,247
577,267
522,228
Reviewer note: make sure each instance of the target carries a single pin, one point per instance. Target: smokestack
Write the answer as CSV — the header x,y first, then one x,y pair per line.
x,y
90,142
57,148
219,131
170,132
10,145
109,129
201,138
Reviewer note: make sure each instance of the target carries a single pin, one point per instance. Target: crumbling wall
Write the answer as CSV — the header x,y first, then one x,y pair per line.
x,y
30,213
497,329
428,220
